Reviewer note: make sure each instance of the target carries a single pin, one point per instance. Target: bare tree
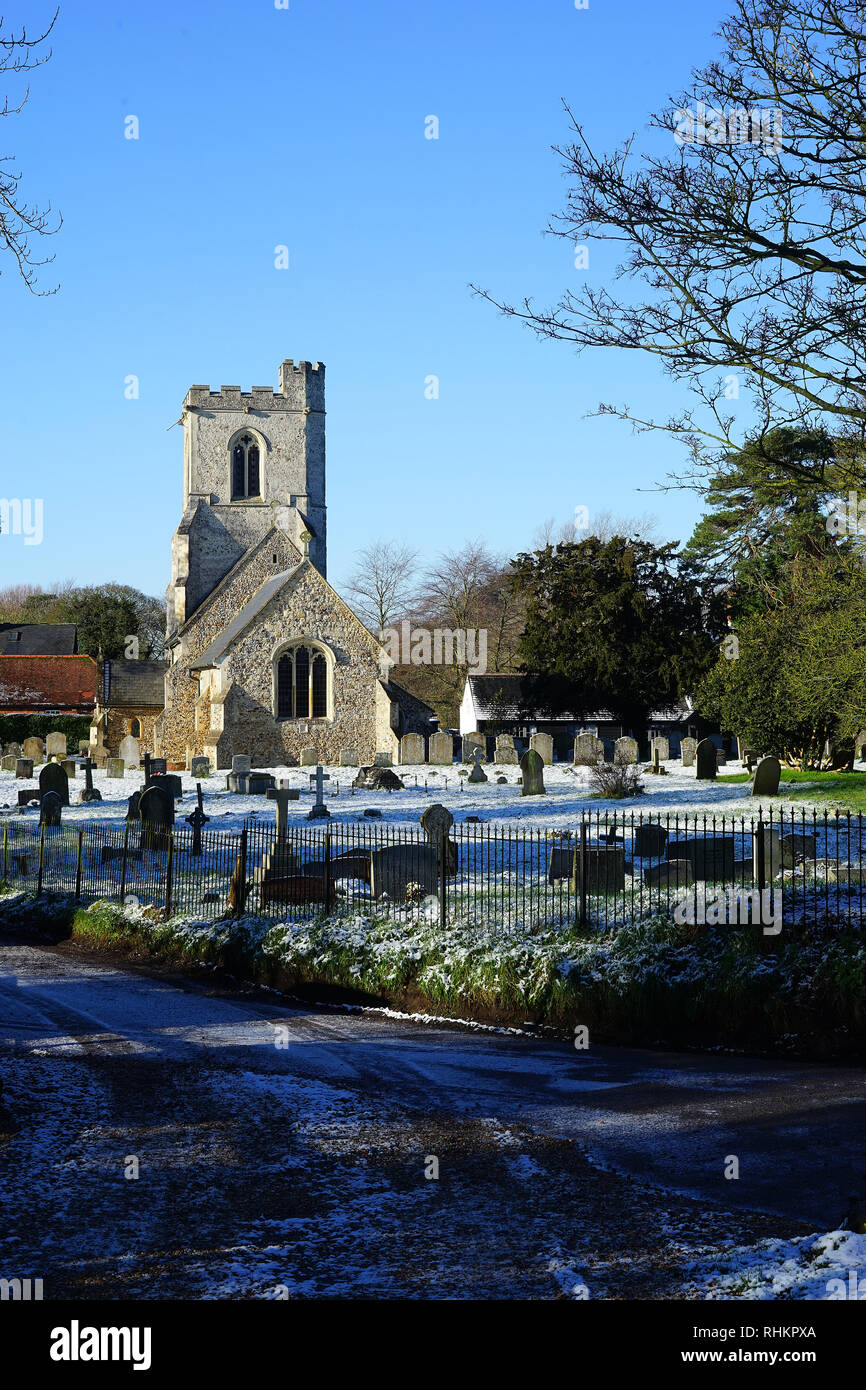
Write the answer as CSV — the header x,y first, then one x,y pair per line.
x,y
604,525
382,585
749,237
22,222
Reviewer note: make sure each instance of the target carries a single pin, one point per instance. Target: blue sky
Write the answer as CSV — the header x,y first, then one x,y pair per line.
x,y
305,127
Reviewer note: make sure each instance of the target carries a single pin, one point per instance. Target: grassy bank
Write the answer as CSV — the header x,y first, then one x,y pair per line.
x,y
844,791
653,982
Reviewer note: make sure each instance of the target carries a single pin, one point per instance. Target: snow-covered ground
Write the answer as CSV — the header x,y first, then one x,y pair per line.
x,y
568,796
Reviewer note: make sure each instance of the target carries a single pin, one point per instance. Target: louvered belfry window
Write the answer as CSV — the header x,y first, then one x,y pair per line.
x,y
302,684
245,468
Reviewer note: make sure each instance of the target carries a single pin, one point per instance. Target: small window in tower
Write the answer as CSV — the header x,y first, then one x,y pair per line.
x,y
245,468
135,728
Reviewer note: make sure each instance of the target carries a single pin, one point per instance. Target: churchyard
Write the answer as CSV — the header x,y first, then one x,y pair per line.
x,y
523,843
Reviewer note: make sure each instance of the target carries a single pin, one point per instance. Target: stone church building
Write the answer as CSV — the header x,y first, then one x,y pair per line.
x,y
264,657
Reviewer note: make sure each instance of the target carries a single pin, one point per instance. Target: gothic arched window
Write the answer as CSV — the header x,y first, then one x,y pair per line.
x,y
303,681
135,728
245,467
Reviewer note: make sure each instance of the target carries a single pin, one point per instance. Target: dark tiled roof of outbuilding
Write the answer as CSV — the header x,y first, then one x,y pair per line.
x,y
38,639
134,684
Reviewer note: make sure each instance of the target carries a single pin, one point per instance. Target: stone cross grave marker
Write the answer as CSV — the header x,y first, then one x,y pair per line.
x,y
532,770
197,819
319,810
89,792
477,774
281,796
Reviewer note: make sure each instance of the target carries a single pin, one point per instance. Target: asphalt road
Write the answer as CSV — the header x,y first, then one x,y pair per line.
x,y
170,1139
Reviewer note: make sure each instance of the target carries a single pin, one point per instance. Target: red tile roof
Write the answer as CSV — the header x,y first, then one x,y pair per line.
x,y
29,684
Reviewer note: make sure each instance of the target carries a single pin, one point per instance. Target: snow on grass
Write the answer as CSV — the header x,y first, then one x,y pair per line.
x,y
818,1267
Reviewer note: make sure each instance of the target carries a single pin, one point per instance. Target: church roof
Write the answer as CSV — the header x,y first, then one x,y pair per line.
x,y
242,619
137,684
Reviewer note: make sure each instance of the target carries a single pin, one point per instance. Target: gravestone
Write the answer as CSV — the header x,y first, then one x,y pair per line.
x,y
470,743
478,774
768,774
132,807
55,746
319,811
542,744
662,746
412,749
155,767
70,767
52,778
672,873
394,867
605,867
721,757
688,748
169,781
506,753
532,772
797,848
241,763
198,820
711,856
130,751
50,807
199,766
383,760
156,813
705,757
24,767
8,762
309,757
588,750
437,821
115,767
349,757
772,851
89,792
441,749
649,841
14,750
378,779
32,748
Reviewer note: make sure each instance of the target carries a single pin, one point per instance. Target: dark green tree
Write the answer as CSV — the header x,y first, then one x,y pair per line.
x,y
108,615
623,625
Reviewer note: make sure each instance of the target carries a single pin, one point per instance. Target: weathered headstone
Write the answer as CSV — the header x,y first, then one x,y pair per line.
x,y
115,767
797,848
130,751
772,836
705,756
24,767
32,748
588,750
478,774
768,774
441,749
412,749
52,778
506,753
349,757
605,867
649,841
132,807
241,763
70,767
394,867
309,757
50,807
721,757
8,762
55,746
532,773
662,746
437,821
688,748
14,750
711,856
156,813
542,744
383,760
199,766
673,873
470,743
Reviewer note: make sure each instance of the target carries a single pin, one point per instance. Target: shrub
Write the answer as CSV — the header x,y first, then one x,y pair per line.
x,y
616,780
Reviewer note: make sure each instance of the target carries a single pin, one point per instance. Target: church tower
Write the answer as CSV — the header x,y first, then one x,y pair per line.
x,y
253,460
